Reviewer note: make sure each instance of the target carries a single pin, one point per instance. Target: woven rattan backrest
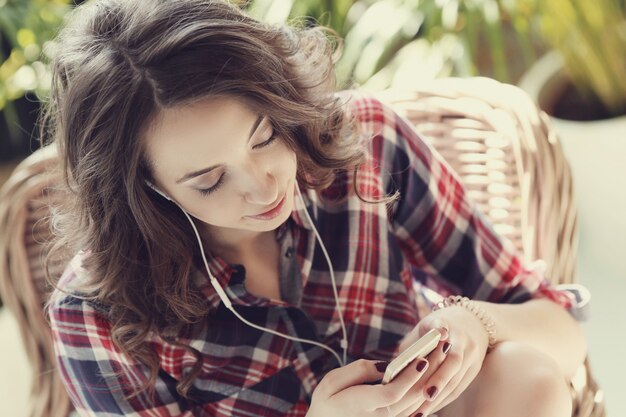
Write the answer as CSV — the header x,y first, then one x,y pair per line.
x,y
508,158
24,212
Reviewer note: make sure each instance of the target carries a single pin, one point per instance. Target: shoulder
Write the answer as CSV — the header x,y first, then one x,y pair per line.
x,y
74,278
69,303
383,131
369,111
375,125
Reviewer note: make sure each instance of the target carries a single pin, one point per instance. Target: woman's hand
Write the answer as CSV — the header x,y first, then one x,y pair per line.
x,y
453,364
344,391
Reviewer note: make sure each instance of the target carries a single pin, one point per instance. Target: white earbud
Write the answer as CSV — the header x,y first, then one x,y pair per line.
x,y
158,191
222,294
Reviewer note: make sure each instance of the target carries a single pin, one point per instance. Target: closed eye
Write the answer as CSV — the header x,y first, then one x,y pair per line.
x,y
206,191
267,142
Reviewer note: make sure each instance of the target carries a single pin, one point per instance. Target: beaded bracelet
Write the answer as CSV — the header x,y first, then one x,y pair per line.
x,y
465,302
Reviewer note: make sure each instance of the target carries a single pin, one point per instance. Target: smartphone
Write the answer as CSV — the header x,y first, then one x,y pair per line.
x,y
421,348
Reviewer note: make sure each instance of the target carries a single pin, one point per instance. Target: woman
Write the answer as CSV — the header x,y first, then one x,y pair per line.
x,y
245,240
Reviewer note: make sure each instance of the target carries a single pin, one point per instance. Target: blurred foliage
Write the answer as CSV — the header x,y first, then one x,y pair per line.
x,y
390,43
591,38
406,42
25,27
387,43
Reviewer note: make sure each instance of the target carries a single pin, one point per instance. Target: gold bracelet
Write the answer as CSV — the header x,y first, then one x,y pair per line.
x,y
465,302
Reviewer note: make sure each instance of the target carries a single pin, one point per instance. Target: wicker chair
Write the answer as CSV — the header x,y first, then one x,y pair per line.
x,y
24,209
511,162
491,134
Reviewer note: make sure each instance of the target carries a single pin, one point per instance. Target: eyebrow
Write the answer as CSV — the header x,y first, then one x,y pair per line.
x,y
194,174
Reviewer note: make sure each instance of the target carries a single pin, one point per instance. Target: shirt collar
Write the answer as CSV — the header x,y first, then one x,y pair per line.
x,y
227,275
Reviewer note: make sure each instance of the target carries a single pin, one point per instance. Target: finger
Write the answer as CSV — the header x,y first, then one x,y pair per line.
x,y
463,384
355,373
441,325
418,391
394,391
421,329
413,394
436,358
413,408
437,383
421,401
451,387
417,399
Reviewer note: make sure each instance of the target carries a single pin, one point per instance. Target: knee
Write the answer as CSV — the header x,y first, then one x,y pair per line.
x,y
526,381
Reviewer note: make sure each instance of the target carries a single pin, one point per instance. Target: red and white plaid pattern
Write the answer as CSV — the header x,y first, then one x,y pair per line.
x,y
433,234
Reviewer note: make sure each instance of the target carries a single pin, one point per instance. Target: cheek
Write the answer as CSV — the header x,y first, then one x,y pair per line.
x,y
289,166
215,210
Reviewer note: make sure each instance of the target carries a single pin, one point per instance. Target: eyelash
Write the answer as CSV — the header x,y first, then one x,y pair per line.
x,y
206,191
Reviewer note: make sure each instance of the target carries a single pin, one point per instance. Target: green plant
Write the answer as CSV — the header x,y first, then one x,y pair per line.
x,y
496,35
370,41
400,42
25,27
591,38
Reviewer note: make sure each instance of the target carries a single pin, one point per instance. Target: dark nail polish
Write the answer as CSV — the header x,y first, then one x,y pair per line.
x,y
421,365
432,391
381,366
419,415
446,347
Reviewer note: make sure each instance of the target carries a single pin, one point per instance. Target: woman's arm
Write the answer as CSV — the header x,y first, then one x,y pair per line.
x,y
543,324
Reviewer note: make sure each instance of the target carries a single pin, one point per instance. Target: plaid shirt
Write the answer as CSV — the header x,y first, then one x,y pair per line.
x,y
433,235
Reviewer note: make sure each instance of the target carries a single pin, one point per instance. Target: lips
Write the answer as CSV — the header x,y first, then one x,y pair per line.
x,y
273,206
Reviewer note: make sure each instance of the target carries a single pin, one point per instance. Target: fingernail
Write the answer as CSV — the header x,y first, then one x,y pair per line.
x,y
419,415
421,365
432,391
381,366
446,347
444,332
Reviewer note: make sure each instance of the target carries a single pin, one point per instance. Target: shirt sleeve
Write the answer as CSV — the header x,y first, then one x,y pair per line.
x,y
439,229
96,374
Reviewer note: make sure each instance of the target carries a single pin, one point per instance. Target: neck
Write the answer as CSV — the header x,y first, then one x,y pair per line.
x,y
241,246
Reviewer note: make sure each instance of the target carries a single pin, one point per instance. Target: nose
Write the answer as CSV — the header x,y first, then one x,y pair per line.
x,y
262,189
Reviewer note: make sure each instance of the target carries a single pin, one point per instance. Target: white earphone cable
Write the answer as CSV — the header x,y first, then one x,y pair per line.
x,y
222,294
344,340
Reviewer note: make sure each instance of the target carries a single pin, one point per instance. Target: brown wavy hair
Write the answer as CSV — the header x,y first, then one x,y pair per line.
x,y
115,65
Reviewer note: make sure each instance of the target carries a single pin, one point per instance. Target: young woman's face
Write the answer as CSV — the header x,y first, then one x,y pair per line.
x,y
224,164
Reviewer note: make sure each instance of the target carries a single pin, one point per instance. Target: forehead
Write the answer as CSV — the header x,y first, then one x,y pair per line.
x,y
200,126
213,114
